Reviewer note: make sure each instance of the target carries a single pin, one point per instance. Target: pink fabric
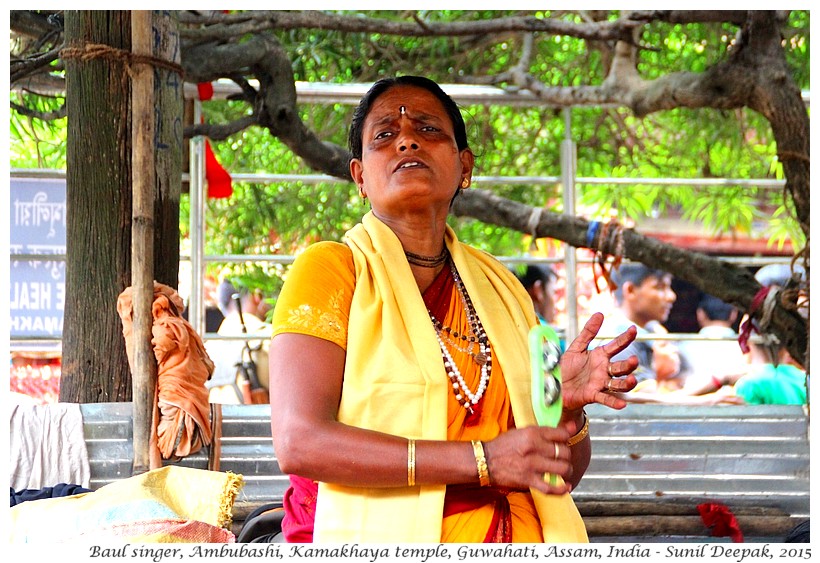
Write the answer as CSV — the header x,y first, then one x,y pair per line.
x,y
300,509
170,530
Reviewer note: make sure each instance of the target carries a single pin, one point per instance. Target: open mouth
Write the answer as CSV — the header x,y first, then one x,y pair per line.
x,y
409,165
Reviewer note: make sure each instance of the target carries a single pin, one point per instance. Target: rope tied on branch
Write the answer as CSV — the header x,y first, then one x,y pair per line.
x,y
606,239
760,298
532,224
796,298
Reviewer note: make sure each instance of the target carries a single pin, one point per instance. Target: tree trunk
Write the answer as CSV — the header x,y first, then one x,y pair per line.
x,y
99,194
168,148
98,218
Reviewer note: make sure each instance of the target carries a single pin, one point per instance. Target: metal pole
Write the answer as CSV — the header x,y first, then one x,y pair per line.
x,y
196,308
568,171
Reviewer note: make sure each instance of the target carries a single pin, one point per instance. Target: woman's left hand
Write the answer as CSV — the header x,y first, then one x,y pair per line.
x,y
588,376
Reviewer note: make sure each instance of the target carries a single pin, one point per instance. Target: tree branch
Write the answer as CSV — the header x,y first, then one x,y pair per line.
x,y
275,102
220,131
44,115
735,17
34,24
229,26
23,68
733,284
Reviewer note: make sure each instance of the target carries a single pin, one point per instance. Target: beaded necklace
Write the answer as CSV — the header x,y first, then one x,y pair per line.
x,y
427,261
476,337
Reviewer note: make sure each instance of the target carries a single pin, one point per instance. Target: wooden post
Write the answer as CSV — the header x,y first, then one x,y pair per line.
x,y
143,366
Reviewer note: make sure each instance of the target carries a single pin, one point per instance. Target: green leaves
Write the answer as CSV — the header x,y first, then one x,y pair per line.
x,y
508,141
36,143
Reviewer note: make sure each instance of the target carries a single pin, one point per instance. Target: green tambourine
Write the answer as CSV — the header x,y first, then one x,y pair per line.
x,y
545,356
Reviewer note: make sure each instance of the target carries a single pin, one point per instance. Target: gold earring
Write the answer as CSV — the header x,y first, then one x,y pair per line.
x,y
465,183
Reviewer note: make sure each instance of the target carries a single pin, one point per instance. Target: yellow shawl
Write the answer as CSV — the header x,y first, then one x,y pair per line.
x,y
383,382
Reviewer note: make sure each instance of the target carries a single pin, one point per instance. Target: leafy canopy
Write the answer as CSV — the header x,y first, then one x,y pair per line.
x,y
282,217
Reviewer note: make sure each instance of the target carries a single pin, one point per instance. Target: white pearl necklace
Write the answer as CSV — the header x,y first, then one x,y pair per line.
x,y
464,395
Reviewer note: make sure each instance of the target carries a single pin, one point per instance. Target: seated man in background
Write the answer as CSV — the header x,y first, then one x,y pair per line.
x,y
713,363
768,375
232,381
644,298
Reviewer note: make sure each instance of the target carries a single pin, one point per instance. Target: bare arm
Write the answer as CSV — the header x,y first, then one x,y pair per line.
x,y
580,453
306,375
665,360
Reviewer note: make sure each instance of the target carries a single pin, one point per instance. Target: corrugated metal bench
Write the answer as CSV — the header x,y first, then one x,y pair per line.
x,y
651,466
245,448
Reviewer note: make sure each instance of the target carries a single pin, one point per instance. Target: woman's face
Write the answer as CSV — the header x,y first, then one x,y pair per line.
x,y
409,154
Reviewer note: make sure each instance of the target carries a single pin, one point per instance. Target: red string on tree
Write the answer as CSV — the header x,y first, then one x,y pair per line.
x,y
747,327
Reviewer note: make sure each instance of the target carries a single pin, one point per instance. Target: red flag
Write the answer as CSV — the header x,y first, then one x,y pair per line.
x,y
219,181
205,90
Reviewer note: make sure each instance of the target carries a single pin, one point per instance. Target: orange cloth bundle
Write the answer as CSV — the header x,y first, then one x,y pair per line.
x,y
181,408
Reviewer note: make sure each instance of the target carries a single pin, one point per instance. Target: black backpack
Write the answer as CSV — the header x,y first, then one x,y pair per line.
x,y
263,525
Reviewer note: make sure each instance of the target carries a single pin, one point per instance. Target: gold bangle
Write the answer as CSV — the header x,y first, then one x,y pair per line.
x,y
481,463
411,463
582,433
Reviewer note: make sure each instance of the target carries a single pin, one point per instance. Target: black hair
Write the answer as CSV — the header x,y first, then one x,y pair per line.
x,y
799,534
534,273
634,272
225,293
354,138
715,308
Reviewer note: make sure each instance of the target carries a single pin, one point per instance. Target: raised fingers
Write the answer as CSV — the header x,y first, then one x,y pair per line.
x,y
621,368
587,334
620,342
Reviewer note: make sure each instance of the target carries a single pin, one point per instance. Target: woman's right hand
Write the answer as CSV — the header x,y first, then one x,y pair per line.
x,y
519,458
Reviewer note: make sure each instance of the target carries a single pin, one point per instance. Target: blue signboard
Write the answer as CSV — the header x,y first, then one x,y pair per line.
x,y
38,226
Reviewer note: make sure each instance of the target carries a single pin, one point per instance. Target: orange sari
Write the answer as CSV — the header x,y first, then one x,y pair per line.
x,y
316,301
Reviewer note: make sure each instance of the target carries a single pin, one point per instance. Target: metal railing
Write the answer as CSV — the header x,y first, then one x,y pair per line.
x,y
199,259
351,94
